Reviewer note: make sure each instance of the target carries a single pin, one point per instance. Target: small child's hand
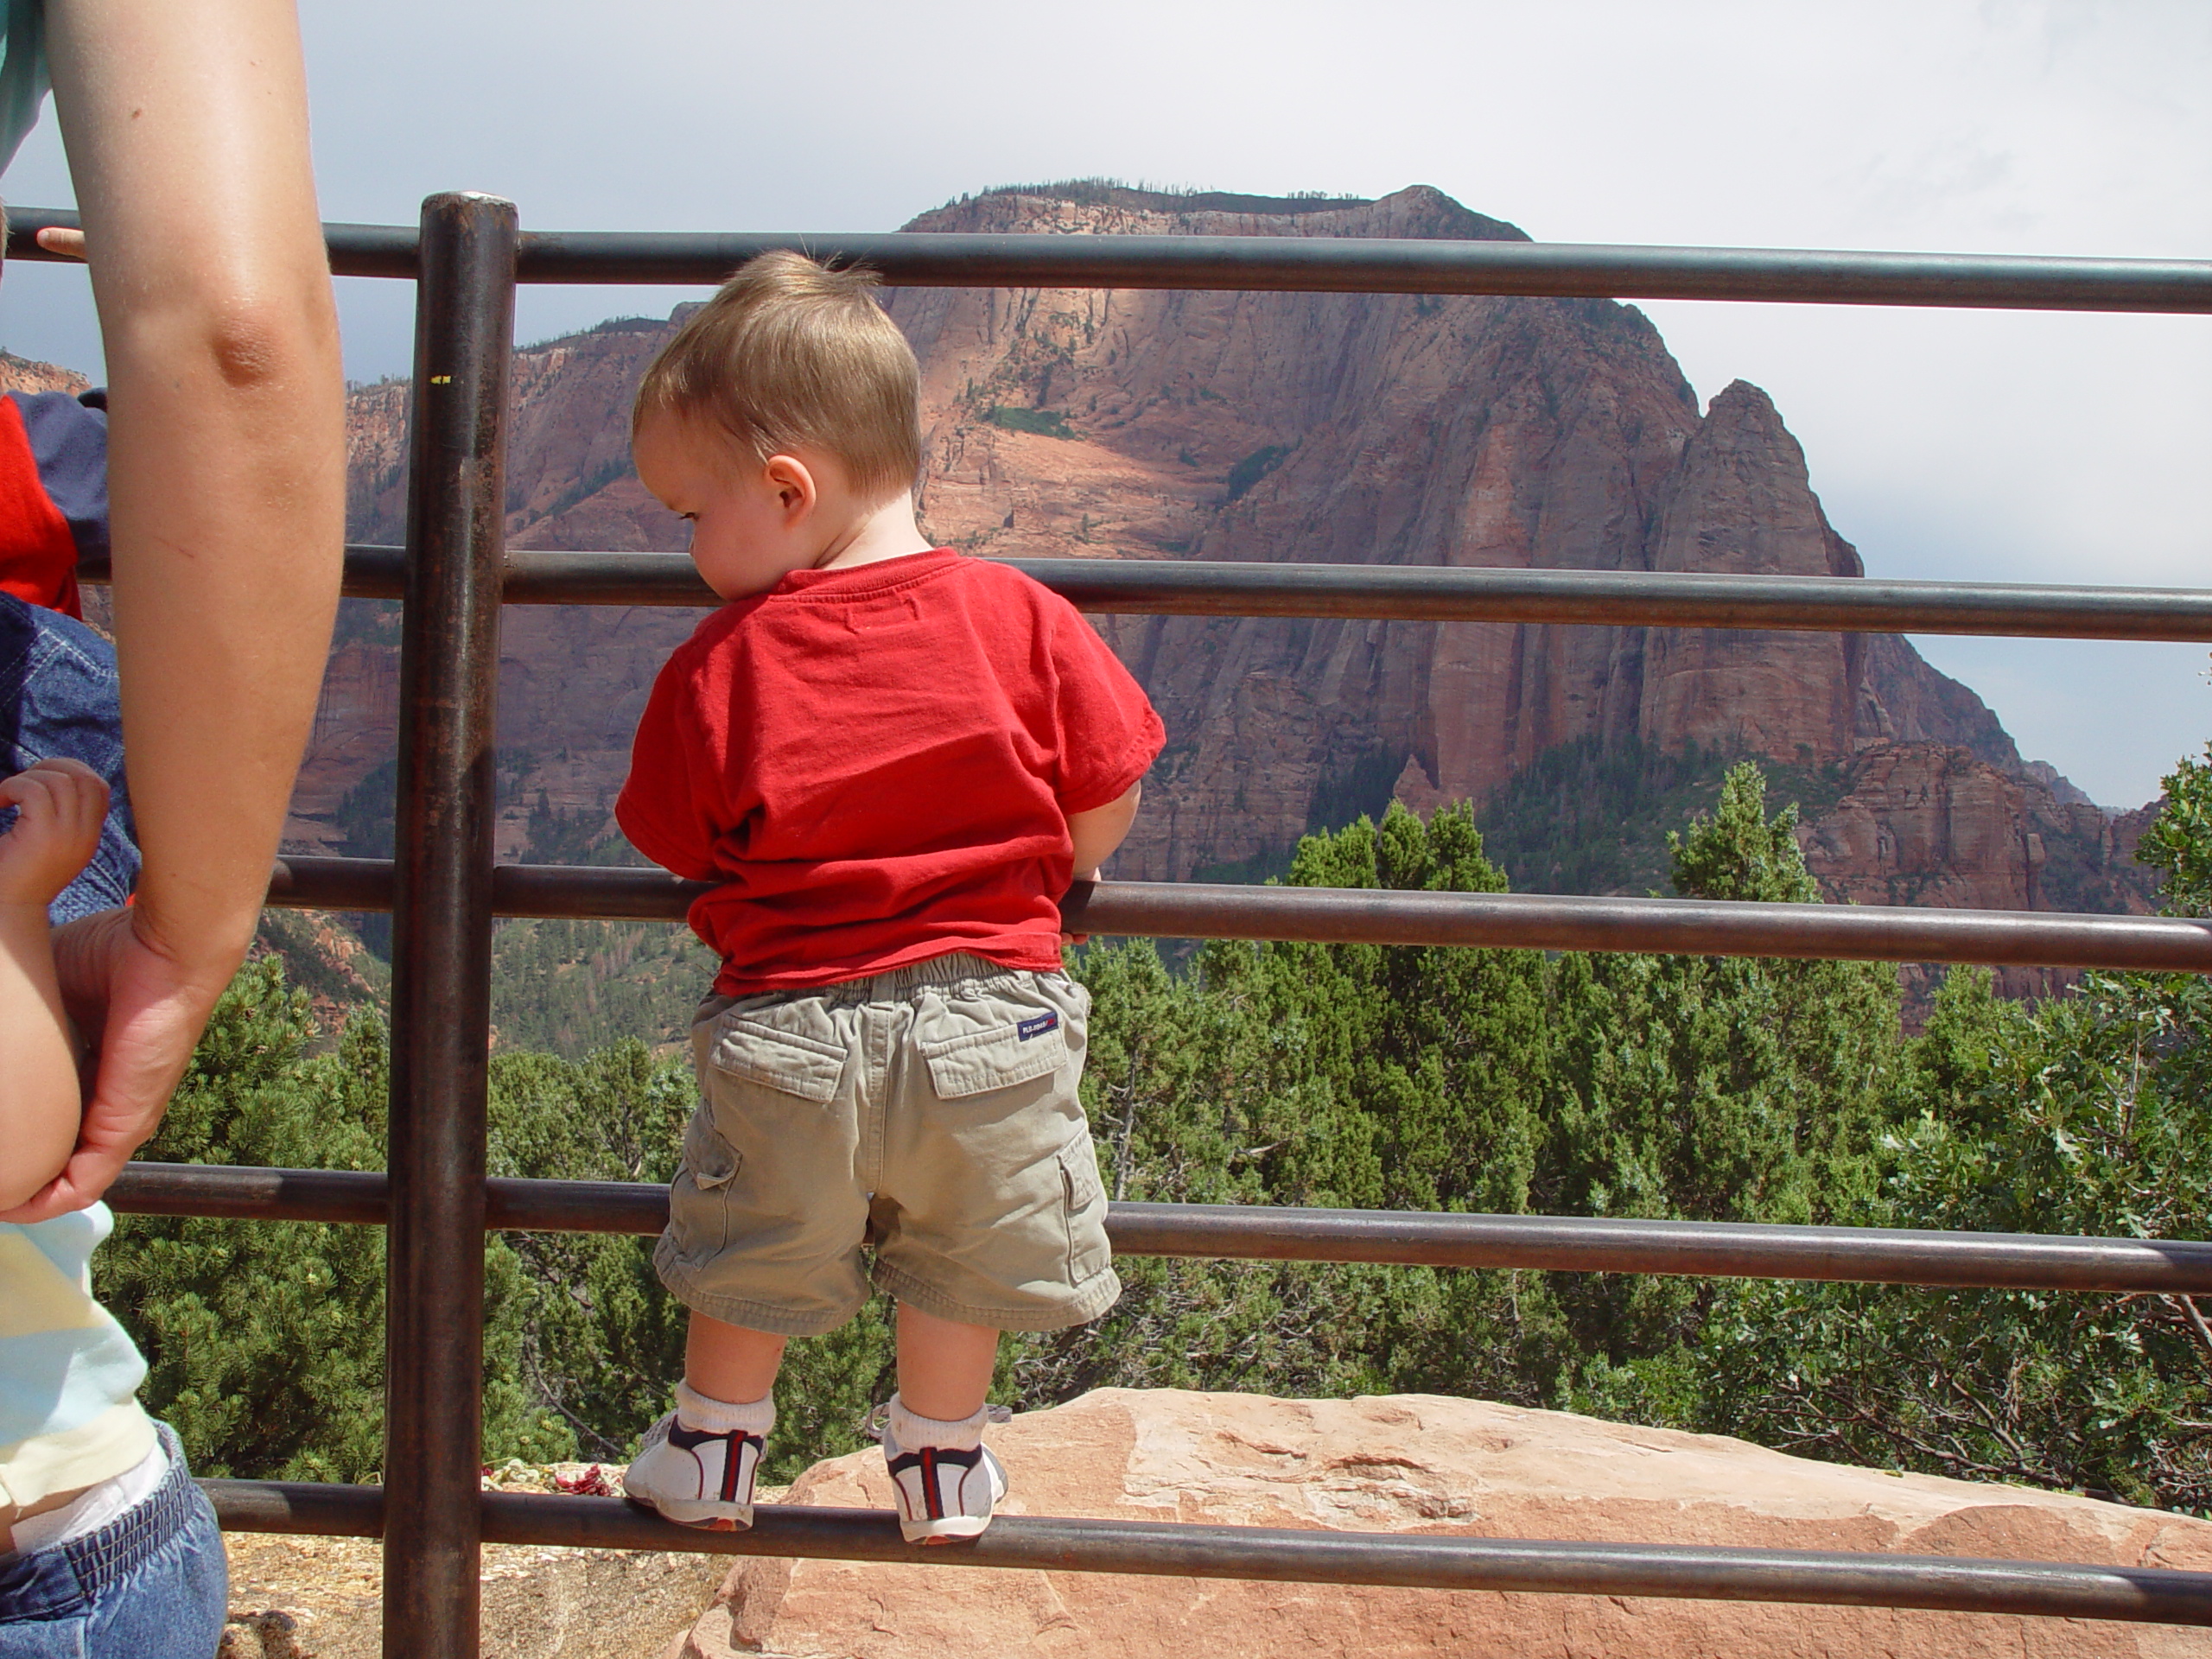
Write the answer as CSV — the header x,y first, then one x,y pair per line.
x,y
56,238
59,806
1081,877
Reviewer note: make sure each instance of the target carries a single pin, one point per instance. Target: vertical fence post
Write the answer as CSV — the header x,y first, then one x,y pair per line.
x,y
442,927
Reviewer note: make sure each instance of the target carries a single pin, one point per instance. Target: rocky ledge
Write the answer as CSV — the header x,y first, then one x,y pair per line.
x,y
1399,1464
1428,1464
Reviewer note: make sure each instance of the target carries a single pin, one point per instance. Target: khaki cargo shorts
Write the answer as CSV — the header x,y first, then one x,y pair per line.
x,y
930,1113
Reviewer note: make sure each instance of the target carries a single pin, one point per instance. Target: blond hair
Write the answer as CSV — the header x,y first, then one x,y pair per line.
x,y
789,354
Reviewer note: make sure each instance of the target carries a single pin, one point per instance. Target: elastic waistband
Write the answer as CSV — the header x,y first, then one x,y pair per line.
x,y
941,973
957,968
102,1559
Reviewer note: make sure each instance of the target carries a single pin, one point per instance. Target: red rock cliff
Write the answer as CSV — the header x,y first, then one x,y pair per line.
x,y
1340,427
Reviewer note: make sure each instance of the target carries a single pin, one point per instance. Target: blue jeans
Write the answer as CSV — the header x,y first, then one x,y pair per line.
x,y
58,696
152,1584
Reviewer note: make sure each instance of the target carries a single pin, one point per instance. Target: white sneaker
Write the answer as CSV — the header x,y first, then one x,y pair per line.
x,y
695,1476
942,1494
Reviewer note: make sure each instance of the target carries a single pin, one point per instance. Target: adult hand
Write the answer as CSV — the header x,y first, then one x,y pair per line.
x,y
147,1009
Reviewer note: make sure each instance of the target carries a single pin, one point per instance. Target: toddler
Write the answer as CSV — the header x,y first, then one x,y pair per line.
x,y
60,809
106,1546
891,761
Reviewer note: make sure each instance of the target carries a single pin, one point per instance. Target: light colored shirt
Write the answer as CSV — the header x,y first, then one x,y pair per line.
x,y
69,1376
22,73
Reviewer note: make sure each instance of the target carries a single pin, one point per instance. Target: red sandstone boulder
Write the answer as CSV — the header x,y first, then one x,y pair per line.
x,y
1424,1463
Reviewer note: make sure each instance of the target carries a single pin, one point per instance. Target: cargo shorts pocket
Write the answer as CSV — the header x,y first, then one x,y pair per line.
x,y
790,1062
1033,1046
698,1200
1089,1253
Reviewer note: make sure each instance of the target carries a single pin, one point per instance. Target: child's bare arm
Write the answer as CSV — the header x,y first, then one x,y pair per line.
x,y
1099,831
60,806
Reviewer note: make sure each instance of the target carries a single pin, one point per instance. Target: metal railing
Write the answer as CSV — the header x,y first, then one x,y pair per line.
x,y
1403,593
444,891
1194,910
1238,1232
1292,264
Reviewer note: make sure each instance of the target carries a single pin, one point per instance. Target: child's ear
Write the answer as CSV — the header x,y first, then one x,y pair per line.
x,y
793,481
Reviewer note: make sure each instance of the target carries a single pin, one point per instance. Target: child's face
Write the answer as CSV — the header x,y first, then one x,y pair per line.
x,y
750,521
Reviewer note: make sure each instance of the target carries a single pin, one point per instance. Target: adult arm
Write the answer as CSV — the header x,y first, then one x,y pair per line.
x,y
187,132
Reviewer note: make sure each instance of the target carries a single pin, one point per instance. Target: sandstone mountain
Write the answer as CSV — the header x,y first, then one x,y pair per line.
x,y
24,374
1340,427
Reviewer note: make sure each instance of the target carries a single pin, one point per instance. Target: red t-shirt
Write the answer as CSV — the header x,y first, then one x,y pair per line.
x,y
875,766
38,553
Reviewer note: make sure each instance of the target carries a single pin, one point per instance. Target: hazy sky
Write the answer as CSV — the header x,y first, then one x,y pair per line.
x,y
1994,446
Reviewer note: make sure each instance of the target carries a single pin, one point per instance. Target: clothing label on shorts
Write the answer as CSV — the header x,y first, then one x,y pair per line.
x,y
1036,1027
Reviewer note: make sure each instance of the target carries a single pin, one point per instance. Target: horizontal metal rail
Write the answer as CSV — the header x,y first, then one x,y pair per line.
x,y
1429,593
1540,921
1326,264
1282,1554
1711,1249
1315,265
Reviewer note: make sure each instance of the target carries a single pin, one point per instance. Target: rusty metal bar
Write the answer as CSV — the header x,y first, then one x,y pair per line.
x,y
1282,1555
1192,910
332,883
357,1196
441,926
1688,927
1429,594
1380,265
1698,1249
1316,264
1712,1249
1432,594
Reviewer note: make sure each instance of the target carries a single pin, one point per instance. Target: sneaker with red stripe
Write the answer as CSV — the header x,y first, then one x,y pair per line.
x,y
942,1493
695,1476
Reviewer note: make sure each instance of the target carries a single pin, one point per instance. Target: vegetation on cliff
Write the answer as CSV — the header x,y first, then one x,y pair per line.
x,y
1347,1075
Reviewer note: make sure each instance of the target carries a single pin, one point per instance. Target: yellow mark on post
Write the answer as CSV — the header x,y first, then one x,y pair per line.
x,y
442,380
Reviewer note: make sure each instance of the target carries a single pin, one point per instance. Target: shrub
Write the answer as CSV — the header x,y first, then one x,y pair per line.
x,y
1042,422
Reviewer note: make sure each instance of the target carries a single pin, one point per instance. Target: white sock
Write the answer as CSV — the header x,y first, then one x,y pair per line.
x,y
912,1430
703,1414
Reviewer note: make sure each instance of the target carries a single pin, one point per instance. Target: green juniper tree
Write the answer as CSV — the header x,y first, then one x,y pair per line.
x,y
1710,1088
1364,1076
265,1341
599,1342
1339,1076
2089,1113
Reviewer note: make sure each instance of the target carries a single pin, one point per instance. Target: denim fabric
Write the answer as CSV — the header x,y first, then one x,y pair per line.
x,y
151,1585
58,696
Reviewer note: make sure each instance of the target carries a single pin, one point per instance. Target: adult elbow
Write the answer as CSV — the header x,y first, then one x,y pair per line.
x,y
248,352
269,341
258,346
